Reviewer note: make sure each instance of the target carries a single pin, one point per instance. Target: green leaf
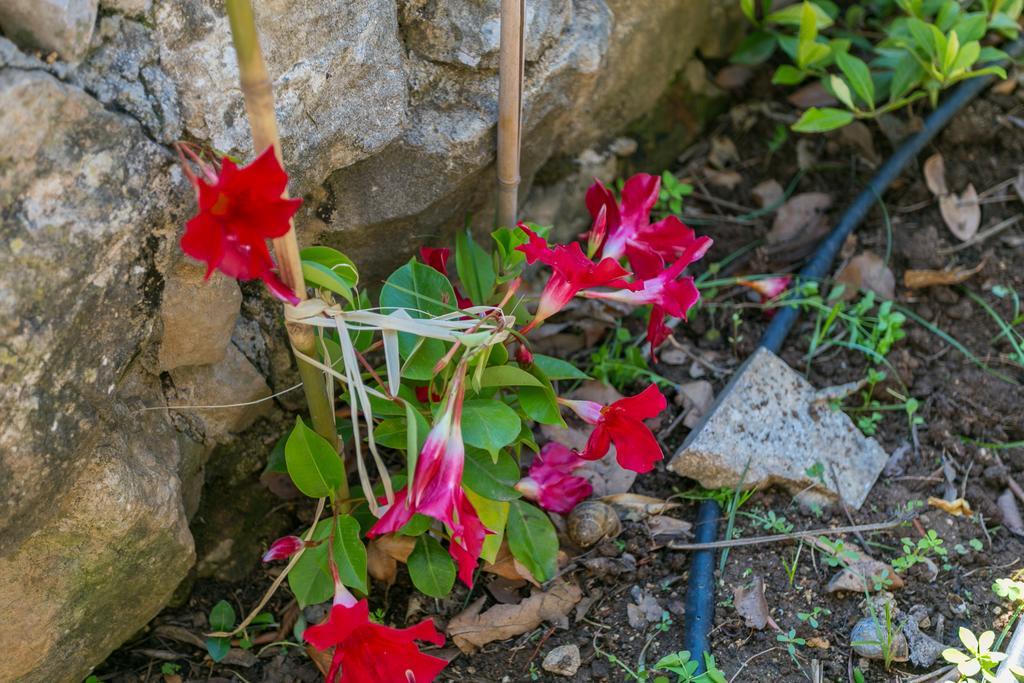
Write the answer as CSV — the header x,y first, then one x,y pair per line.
x,y
323,277
754,49
556,368
841,90
313,464
923,36
310,579
967,56
491,479
417,526
422,357
816,120
747,6
340,265
812,53
488,424
951,52
508,376
476,268
971,26
859,76
218,648
494,515
423,292
540,405
532,540
431,568
793,16
905,77
787,74
222,616
276,463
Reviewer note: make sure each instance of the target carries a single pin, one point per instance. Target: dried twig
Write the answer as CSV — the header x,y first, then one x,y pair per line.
x,y
810,534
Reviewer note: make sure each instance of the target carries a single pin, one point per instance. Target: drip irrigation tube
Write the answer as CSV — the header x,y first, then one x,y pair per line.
x,y
700,592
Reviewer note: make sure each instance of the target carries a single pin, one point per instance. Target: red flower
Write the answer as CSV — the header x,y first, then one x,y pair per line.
x,y
668,295
366,652
768,288
437,258
551,483
573,272
238,212
523,355
283,548
626,230
621,423
436,488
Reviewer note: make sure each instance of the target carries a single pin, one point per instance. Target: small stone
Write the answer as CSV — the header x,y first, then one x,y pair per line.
x,y
767,430
64,26
198,317
563,660
624,147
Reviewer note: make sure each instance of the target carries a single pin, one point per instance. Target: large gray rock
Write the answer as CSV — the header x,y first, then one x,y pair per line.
x,y
62,26
93,535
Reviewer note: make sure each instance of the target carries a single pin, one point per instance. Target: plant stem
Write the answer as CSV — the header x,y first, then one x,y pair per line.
x,y
259,106
510,110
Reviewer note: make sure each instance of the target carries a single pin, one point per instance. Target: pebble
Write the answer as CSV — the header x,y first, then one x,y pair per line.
x,y
563,660
865,636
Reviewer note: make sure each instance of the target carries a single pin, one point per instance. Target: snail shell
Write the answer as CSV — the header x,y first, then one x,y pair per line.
x,y
591,521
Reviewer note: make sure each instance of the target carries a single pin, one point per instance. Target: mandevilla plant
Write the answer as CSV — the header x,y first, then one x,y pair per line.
x,y
925,47
439,371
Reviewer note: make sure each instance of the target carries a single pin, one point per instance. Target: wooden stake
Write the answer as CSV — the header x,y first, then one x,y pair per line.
x,y
259,106
510,110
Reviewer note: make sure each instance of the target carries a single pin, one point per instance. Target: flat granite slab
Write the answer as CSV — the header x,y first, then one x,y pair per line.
x,y
768,417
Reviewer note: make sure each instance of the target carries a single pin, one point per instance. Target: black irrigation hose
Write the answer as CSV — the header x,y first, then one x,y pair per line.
x,y
700,592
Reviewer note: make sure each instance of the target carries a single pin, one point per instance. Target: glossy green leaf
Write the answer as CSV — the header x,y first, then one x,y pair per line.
x,y
494,515
313,464
816,120
793,15
859,77
539,405
905,77
321,276
491,479
841,90
422,292
431,568
755,49
475,267
340,265
310,579
490,425
507,376
532,540
787,74
556,368
218,648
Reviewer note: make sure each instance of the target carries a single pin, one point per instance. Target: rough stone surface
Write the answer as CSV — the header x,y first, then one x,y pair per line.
x,y
767,422
563,660
63,26
131,8
231,381
198,317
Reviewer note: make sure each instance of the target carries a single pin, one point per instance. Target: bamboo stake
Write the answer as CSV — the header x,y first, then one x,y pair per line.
x,y
259,106
510,110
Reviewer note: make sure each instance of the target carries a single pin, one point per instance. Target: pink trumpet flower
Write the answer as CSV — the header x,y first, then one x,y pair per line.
x,y
622,423
573,273
283,548
436,489
625,230
551,483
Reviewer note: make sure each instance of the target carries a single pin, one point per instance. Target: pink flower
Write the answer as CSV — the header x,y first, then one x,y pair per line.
x,y
283,548
768,288
626,230
668,295
621,423
523,355
437,258
551,483
239,210
436,487
367,652
573,272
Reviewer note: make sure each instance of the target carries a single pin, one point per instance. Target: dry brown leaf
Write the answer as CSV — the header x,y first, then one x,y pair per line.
x,y
723,152
751,604
321,658
818,643
767,193
860,571
801,218
812,95
664,527
471,629
1010,513
634,507
935,175
172,678
1006,87
508,567
858,136
733,77
380,565
958,508
962,213
397,547
727,180
867,271
918,279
